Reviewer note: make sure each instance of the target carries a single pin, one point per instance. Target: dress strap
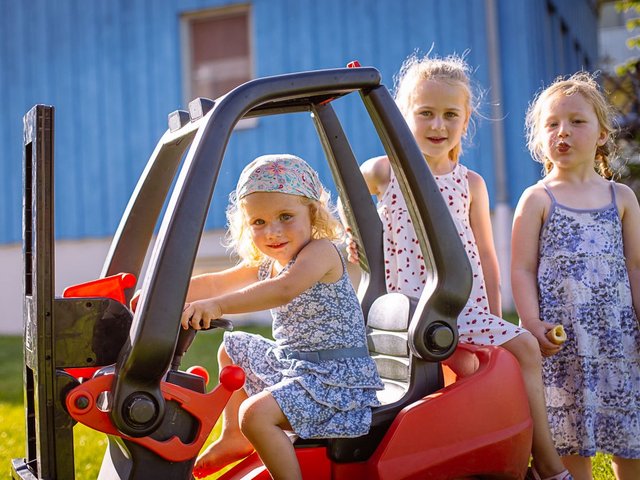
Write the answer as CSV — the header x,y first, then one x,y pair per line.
x,y
345,271
548,190
613,192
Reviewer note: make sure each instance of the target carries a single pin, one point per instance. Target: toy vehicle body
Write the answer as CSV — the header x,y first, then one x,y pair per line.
x,y
432,424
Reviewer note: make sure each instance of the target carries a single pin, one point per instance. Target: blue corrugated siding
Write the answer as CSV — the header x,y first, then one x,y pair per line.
x,y
539,44
113,71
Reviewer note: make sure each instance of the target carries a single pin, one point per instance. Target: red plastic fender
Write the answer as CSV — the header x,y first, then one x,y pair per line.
x,y
82,406
314,465
480,424
108,287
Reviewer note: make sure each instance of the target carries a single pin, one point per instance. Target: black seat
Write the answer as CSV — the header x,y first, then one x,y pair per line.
x,y
406,378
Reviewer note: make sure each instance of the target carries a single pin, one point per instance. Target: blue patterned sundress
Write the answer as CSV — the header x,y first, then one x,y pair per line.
x,y
325,399
592,386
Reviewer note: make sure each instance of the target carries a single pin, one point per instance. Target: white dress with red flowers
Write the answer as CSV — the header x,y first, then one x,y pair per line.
x,y
405,266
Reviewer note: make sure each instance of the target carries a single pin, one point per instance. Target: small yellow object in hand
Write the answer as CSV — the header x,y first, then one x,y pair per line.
x,y
557,335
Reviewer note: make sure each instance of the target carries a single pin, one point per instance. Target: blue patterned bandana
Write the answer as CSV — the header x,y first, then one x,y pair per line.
x,y
281,173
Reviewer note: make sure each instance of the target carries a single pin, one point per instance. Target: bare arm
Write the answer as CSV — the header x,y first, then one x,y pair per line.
x,y
211,284
630,215
317,261
480,220
376,173
214,284
527,223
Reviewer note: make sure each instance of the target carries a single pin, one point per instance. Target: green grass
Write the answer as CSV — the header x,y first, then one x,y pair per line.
x,y
89,444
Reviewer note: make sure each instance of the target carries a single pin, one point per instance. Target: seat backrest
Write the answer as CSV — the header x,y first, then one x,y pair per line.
x,y
387,337
406,378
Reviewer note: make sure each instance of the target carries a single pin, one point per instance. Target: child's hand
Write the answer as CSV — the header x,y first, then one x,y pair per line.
x,y
352,247
198,315
539,330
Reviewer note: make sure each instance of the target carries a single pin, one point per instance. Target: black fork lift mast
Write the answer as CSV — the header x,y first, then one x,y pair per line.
x,y
59,333
49,436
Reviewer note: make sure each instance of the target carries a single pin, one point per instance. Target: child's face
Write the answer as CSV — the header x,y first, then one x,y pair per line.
x,y
280,224
570,130
438,117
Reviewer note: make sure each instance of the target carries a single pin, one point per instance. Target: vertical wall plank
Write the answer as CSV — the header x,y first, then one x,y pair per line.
x,y
113,71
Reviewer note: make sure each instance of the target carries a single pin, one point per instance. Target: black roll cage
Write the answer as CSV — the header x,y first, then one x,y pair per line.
x,y
205,130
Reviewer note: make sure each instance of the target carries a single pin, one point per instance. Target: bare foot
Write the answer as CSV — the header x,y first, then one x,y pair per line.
x,y
221,453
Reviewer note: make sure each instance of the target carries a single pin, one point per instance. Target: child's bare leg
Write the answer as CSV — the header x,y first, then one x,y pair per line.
x,y
580,467
462,363
263,423
545,457
232,444
625,468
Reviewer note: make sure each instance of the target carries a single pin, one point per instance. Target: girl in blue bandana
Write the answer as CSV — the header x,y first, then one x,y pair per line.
x,y
316,379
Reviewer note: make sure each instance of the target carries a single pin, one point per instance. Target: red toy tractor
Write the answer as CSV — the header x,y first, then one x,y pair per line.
x,y
89,359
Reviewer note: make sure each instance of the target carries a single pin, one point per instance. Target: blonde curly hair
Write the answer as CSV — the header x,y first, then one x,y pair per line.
x,y
324,224
585,84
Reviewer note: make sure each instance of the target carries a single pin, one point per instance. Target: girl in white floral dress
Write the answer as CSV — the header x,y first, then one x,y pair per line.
x,y
576,262
317,378
435,97
476,324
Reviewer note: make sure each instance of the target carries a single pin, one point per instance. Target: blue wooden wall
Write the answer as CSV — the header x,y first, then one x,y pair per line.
x,y
540,41
112,69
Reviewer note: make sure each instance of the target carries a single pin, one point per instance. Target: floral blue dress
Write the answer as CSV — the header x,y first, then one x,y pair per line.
x,y
592,386
324,399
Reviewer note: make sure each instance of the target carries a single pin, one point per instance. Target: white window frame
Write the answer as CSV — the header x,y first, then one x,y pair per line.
x,y
187,48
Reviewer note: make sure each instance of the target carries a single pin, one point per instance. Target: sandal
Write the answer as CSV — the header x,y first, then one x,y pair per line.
x,y
532,474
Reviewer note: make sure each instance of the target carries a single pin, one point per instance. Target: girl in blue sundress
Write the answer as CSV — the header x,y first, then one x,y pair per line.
x,y
316,379
576,262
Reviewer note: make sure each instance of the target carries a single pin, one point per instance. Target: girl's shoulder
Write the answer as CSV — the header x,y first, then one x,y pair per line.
x,y
472,176
322,255
624,193
377,174
476,182
626,201
321,244
320,249
533,209
536,197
